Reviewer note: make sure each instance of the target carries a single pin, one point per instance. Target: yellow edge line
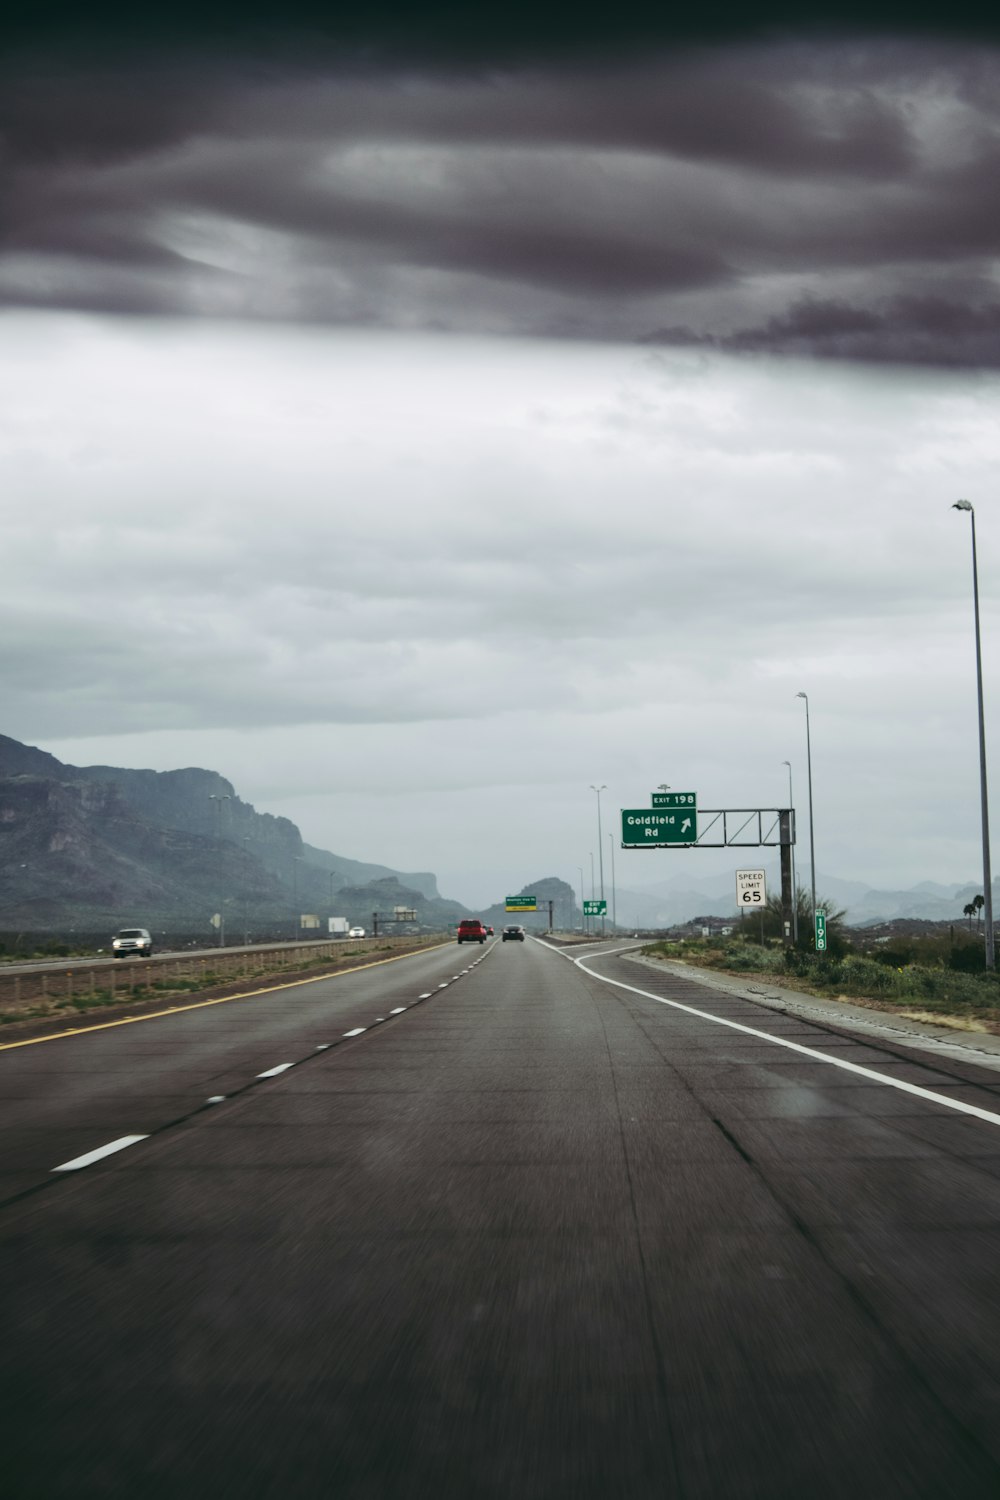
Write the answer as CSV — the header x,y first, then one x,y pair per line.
x,y
156,1015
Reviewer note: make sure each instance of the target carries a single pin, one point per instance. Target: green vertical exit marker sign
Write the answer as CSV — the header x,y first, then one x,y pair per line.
x,y
821,932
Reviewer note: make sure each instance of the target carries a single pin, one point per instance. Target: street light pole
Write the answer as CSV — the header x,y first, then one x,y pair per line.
x,y
600,841
795,889
614,897
983,797
218,798
812,843
295,896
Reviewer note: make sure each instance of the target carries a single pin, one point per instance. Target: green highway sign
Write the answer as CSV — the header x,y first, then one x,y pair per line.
x,y
521,903
644,829
675,799
595,908
821,932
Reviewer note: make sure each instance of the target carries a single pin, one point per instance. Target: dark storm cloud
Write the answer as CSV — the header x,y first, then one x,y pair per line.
x,y
824,198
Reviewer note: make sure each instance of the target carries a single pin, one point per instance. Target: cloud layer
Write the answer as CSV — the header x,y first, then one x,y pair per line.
x,y
419,592
827,199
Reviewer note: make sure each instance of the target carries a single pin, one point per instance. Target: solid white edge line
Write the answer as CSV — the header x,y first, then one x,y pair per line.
x,y
273,1072
780,1041
357,1031
92,1156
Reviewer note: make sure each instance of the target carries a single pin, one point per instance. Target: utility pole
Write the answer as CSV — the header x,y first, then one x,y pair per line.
x,y
600,841
218,798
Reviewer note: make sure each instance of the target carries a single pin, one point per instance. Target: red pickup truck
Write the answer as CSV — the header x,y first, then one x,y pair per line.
x,y
471,930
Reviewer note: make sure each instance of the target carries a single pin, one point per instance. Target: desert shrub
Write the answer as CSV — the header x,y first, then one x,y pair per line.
x,y
967,958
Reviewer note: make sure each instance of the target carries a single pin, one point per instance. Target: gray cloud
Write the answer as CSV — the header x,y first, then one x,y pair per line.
x,y
825,198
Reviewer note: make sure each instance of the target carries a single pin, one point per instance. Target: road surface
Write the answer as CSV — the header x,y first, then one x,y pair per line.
x,y
535,1235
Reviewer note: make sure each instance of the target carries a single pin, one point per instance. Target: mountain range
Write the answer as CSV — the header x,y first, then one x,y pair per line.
x,y
100,847
679,899
96,847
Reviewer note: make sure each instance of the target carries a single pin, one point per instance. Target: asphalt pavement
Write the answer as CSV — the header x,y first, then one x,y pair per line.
x,y
534,1235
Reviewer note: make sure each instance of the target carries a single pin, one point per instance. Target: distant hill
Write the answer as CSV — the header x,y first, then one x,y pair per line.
x,y
104,846
565,912
680,899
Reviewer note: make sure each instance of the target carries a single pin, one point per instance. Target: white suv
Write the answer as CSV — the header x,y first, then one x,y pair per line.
x,y
132,940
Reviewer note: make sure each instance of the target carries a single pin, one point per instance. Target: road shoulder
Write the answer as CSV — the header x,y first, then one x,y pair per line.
x,y
980,1047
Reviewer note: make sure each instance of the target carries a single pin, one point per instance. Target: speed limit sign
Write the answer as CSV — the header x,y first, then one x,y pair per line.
x,y
750,889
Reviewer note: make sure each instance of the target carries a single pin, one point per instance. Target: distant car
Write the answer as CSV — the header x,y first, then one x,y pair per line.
x,y
512,935
471,930
132,940
356,932
489,932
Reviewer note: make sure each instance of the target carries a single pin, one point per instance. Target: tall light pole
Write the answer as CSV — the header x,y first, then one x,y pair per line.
x,y
614,898
246,897
296,858
812,844
795,889
218,798
600,840
983,797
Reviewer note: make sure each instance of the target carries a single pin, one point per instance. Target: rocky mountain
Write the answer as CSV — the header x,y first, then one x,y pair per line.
x,y
103,846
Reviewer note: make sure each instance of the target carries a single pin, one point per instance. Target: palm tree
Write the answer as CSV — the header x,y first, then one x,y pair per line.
x,y
969,911
979,902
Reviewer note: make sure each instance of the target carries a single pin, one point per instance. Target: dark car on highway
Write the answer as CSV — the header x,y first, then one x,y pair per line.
x,y
513,935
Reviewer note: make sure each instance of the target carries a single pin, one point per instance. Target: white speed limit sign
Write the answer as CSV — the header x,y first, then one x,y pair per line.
x,y
750,889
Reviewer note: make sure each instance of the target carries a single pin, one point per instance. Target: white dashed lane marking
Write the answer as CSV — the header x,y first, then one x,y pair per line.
x,y
92,1156
273,1072
357,1031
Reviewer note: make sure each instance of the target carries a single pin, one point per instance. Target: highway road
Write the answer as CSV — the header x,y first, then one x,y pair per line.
x,y
560,1226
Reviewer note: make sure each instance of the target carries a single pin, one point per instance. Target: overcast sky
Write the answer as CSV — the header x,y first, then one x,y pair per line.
x,y
417,435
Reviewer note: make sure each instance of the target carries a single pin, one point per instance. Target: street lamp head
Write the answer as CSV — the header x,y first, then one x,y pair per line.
x,y
961,505
803,695
664,786
787,763
601,788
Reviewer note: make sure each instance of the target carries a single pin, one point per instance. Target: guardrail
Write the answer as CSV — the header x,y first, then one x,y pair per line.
x,y
106,983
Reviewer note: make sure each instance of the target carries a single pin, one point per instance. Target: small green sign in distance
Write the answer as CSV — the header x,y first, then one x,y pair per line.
x,y
821,932
675,799
643,828
521,903
595,908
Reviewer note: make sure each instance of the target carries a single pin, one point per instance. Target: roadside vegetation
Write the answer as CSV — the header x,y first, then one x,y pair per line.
x,y
940,978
